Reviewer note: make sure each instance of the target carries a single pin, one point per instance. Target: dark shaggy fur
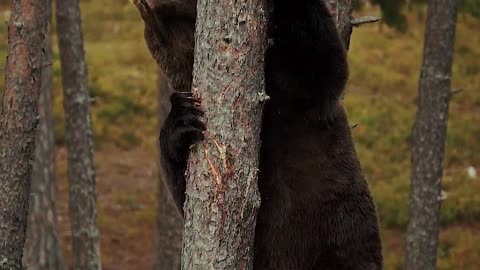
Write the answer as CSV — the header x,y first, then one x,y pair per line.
x,y
316,211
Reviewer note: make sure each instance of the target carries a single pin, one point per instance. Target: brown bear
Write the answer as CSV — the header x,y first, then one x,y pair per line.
x,y
316,210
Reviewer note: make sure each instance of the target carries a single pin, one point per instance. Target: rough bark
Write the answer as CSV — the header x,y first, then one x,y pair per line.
x,y
169,221
429,134
222,195
341,10
78,135
18,121
42,247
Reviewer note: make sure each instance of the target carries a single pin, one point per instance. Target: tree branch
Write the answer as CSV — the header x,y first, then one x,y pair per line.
x,y
455,92
364,20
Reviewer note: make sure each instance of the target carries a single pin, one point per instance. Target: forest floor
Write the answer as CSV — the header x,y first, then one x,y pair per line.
x,y
126,196
127,189
380,98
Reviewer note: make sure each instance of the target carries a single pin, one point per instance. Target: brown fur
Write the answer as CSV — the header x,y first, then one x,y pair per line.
x,y
316,210
170,38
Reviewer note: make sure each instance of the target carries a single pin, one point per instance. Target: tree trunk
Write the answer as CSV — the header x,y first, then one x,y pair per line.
x,y
341,10
429,134
78,133
42,248
18,120
222,196
169,221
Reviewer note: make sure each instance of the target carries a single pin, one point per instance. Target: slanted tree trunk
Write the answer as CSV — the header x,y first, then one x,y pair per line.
x,y
429,134
18,120
222,195
42,248
169,221
78,133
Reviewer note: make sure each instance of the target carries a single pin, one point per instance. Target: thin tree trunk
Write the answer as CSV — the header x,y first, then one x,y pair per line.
x,y
42,248
18,120
429,134
169,221
222,196
78,133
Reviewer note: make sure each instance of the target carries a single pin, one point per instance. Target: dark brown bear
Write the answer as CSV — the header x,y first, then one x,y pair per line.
x,y
316,210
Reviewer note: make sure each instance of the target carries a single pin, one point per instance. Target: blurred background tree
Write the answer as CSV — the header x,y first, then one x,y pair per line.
x,y
42,248
79,137
428,136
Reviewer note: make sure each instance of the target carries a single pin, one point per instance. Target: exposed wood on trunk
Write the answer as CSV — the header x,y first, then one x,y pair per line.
x,y
42,248
222,196
429,134
78,135
18,121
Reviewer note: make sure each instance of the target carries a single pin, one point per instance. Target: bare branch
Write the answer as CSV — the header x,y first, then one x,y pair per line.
x,y
45,64
364,20
455,92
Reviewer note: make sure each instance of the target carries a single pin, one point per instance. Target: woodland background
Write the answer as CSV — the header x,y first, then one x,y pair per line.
x,y
380,101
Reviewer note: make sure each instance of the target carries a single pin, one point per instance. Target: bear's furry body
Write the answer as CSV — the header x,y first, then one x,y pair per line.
x,y
316,210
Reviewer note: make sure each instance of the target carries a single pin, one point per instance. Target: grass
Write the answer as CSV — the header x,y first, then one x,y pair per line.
x,y
381,99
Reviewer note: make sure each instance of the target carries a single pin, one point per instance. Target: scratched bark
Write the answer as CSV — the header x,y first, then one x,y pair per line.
x,y
222,195
18,120
78,135
429,134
